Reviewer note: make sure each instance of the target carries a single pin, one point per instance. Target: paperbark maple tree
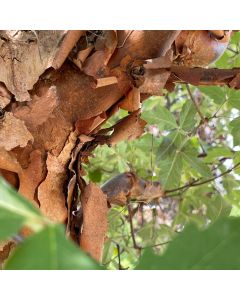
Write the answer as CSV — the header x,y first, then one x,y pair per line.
x,y
58,88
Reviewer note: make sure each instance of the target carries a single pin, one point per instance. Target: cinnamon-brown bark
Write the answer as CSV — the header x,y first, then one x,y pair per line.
x,y
59,87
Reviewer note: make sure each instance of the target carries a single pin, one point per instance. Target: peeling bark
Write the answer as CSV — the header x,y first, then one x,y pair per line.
x,y
13,133
24,56
50,192
57,88
201,76
127,129
95,209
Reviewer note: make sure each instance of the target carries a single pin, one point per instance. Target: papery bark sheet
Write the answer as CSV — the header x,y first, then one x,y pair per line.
x,y
95,209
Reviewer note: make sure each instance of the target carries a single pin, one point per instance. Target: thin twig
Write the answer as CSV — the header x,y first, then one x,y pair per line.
x,y
193,183
168,104
197,183
156,245
152,159
204,153
195,104
141,211
135,245
219,108
119,258
118,213
232,50
112,259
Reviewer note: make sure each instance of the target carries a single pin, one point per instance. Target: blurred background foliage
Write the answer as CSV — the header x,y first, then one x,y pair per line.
x,y
191,145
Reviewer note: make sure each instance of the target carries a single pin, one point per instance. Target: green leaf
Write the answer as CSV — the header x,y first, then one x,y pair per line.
x,y
223,62
170,144
190,156
197,164
217,152
151,234
235,122
203,204
170,160
218,94
108,251
17,211
187,116
236,136
9,224
95,175
217,207
234,98
235,212
235,38
122,166
166,148
147,233
217,247
170,170
162,116
235,125
236,160
49,250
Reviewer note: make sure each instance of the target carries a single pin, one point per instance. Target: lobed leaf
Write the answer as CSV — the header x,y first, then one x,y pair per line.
x,y
217,247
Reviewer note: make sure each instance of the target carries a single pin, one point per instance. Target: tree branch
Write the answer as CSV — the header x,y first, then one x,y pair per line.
x,y
202,76
156,245
135,245
197,183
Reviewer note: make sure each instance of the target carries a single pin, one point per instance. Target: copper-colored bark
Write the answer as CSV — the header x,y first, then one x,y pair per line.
x,y
201,76
13,132
199,48
132,101
31,177
129,128
142,44
67,44
94,203
54,206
